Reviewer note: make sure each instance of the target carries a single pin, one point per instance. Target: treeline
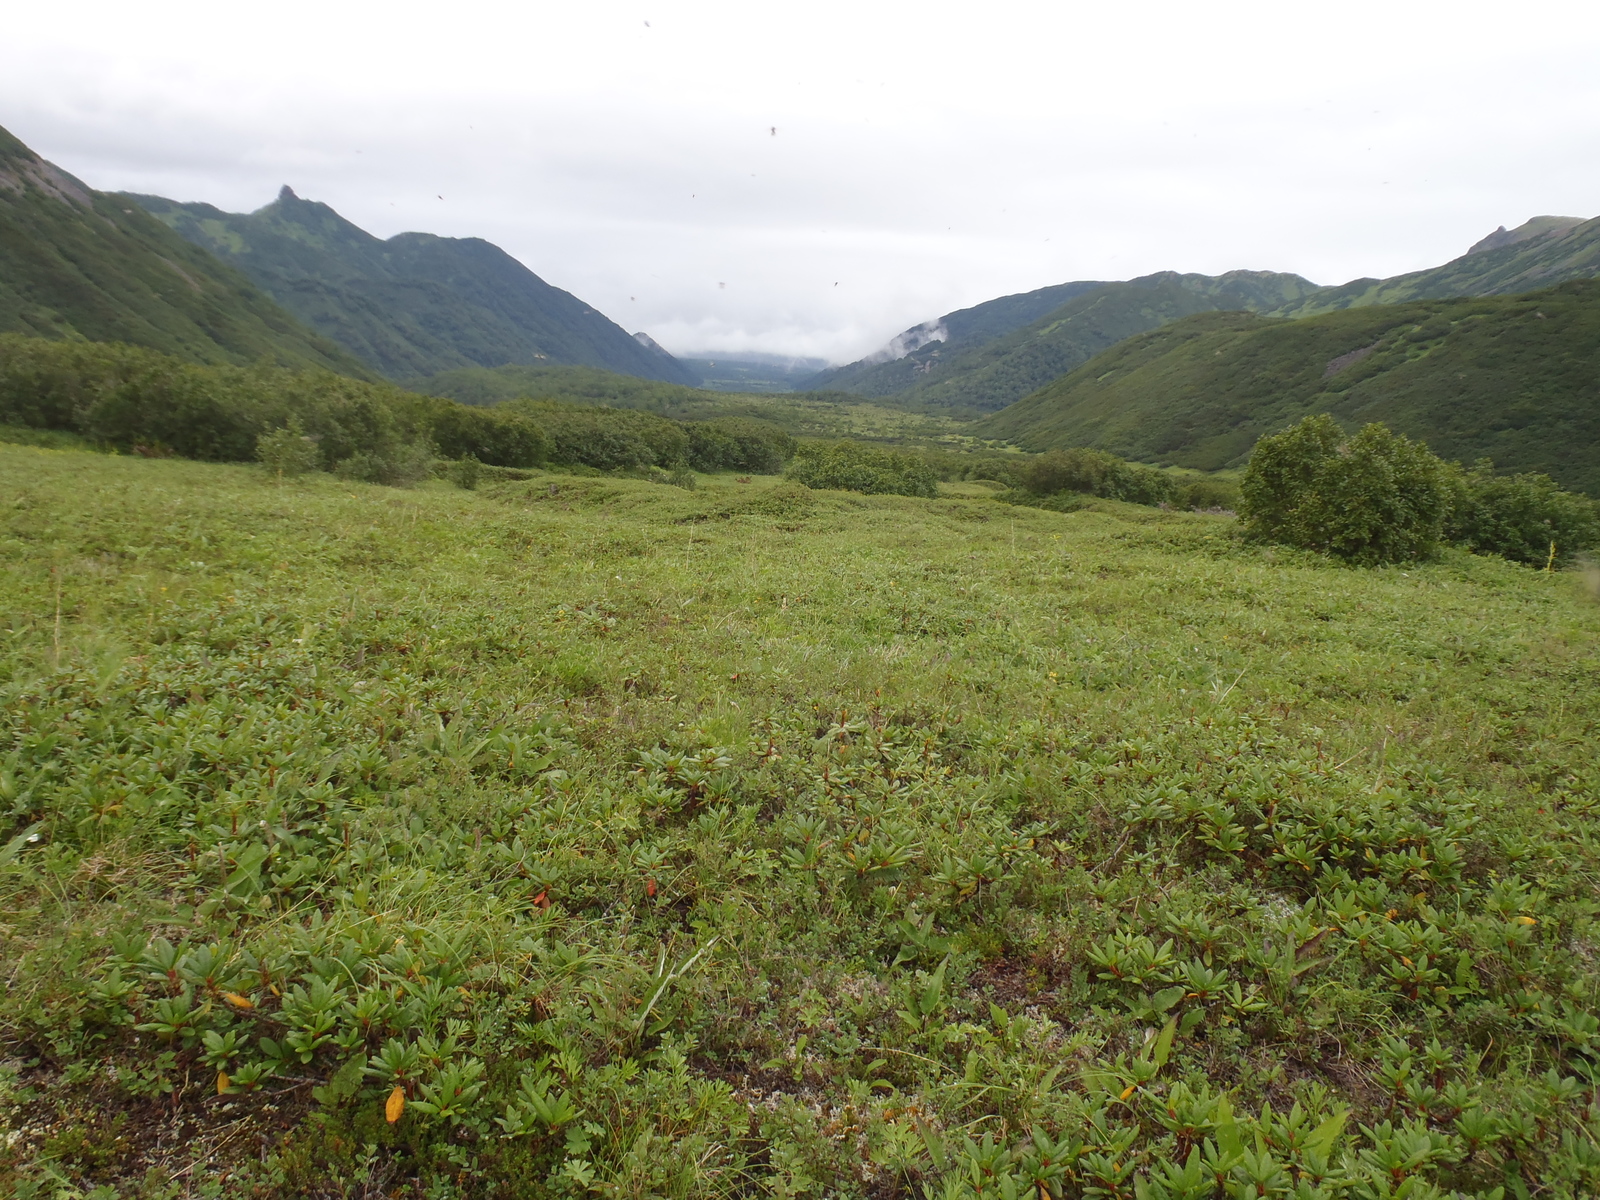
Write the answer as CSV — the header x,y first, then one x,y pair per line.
x,y
140,400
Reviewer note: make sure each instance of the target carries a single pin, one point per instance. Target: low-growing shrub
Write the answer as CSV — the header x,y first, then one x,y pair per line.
x,y
852,467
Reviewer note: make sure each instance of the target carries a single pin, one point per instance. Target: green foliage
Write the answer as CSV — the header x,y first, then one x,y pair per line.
x,y
1375,498
1208,494
287,451
734,444
78,264
1381,498
1096,473
466,471
1526,518
850,466
1512,378
136,399
581,836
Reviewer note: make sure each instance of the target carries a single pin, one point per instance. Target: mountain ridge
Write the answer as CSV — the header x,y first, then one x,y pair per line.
x,y
982,372
985,371
80,264
414,304
1512,378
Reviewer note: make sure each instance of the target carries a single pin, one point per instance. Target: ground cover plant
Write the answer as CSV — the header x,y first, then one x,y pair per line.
x,y
574,836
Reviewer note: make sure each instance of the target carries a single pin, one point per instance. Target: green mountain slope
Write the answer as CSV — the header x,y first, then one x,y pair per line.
x,y
909,355
81,264
1011,346
990,367
416,304
1540,253
1514,378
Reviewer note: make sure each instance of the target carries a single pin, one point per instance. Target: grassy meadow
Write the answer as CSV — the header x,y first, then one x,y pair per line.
x,y
597,837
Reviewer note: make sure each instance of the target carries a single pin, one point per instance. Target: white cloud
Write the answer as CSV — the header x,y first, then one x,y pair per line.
x,y
925,158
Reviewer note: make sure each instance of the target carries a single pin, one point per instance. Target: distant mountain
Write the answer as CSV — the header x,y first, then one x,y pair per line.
x,y
1538,254
1514,378
80,264
902,363
415,304
752,371
983,365
983,358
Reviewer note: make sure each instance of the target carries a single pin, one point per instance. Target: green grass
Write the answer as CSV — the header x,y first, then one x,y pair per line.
x,y
1512,378
754,840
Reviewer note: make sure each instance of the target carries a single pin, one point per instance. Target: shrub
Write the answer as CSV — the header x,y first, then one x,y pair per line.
x,y
288,451
400,466
850,466
1096,473
1525,518
607,439
465,472
1375,498
498,437
1203,494
738,444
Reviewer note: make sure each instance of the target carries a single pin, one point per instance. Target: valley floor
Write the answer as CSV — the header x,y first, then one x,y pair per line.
x,y
592,836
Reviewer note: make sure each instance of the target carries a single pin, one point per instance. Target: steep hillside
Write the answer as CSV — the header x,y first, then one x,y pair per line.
x,y
985,371
911,354
1514,378
1540,253
416,304
76,263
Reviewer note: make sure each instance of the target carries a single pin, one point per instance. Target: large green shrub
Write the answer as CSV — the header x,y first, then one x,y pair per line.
x,y
1377,497
850,466
1526,518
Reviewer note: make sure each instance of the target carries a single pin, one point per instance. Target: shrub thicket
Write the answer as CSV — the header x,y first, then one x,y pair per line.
x,y
1526,518
136,399
850,466
1378,497
1096,473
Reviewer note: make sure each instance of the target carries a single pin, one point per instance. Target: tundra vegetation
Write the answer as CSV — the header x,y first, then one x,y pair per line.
x,y
567,835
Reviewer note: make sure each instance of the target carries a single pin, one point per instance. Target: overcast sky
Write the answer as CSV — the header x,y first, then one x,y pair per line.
x,y
925,156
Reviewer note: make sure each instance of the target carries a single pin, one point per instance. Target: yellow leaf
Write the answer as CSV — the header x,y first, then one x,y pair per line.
x,y
1127,1091
237,1000
1528,920
222,1082
396,1105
